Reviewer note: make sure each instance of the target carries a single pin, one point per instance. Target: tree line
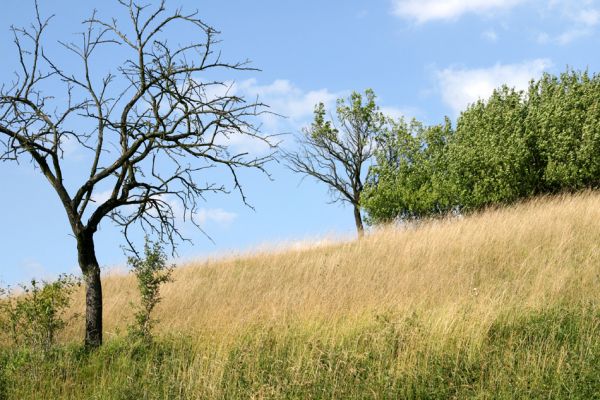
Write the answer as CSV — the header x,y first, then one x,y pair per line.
x,y
511,146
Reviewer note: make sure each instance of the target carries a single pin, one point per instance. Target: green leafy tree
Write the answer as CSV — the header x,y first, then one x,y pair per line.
x,y
490,156
336,152
516,144
564,118
510,146
410,178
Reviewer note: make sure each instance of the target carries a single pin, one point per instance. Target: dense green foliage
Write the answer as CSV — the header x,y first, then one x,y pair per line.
x,y
491,157
564,117
410,172
514,145
525,355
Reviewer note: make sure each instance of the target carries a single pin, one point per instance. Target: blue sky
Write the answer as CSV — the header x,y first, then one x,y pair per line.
x,y
423,58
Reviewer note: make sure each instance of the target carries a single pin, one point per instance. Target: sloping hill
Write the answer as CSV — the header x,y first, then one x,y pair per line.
x,y
460,273
502,304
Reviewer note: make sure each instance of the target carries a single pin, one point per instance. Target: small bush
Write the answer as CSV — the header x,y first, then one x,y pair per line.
x,y
151,272
34,317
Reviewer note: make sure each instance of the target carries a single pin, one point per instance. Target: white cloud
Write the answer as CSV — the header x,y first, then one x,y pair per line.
x,y
573,18
582,12
289,108
570,35
580,17
422,11
298,105
397,113
490,35
587,17
216,215
543,38
583,21
102,196
292,107
200,216
461,87
286,99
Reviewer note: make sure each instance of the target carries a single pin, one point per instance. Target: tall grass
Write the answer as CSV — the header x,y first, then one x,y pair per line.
x,y
501,304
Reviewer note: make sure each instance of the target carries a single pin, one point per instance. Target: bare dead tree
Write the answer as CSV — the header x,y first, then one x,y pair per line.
x,y
336,154
151,126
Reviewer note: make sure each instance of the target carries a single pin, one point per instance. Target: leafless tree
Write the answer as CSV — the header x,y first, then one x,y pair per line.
x,y
336,154
150,127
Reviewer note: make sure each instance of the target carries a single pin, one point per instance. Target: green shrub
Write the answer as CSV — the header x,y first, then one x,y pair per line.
x,y
151,272
34,317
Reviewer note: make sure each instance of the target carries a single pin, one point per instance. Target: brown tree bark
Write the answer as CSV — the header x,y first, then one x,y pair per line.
x,y
93,290
359,223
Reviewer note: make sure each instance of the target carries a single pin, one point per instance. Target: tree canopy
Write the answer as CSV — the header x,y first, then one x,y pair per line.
x,y
511,146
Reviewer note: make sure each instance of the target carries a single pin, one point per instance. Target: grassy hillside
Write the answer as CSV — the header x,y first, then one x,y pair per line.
x,y
502,304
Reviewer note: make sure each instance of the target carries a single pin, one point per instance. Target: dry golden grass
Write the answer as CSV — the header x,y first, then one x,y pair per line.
x,y
460,273
503,304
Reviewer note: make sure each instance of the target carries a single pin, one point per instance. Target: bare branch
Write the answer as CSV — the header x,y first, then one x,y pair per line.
x,y
151,127
336,156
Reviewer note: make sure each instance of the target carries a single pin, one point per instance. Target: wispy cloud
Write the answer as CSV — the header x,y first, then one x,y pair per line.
x,y
287,100
581,18
201,216
298,105
396,112
588,17
490,35
217,216
421,11
101,196
289,108
572,19
570,35
462,86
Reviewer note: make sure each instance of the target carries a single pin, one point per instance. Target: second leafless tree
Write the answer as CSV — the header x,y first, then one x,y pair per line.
x,y
335,152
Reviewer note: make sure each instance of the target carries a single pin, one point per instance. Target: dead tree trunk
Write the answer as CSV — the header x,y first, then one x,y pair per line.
x,y
93,290
358,221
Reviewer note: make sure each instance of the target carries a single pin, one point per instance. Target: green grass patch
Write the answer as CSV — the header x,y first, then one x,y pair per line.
x,y
543,354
